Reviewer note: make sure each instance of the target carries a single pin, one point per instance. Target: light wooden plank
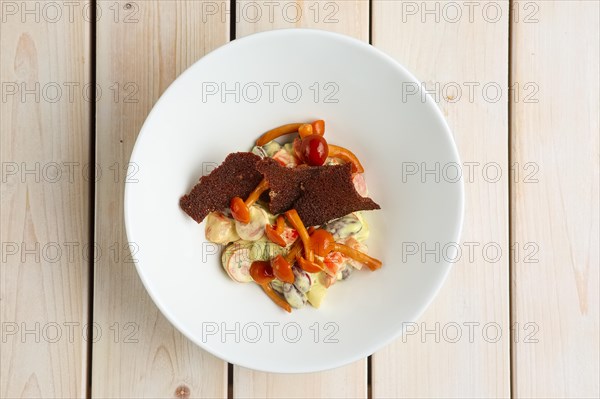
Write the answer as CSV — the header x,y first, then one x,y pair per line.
x,y
350,17
555,205
147,47
44,149
451,50
345,382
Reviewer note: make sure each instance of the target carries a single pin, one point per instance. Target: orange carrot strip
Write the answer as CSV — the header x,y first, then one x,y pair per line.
x,y
310,267
261,272
255,194
280,224
276,298
278,131
239,210
294,250
346,155
305,130
274,236
361,257
319,127
282,269
296,222
320,241
315,266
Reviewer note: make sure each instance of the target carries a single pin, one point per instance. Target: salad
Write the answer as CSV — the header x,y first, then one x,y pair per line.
x,y
290,214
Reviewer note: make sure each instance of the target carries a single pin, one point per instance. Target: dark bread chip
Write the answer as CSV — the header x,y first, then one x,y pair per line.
x,y
284,183
318,193
235,177
330,195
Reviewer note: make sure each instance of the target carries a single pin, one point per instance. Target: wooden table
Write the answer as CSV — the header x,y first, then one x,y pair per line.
x,y
518,83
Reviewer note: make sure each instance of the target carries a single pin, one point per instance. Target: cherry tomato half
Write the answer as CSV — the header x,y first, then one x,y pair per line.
x,y
314,150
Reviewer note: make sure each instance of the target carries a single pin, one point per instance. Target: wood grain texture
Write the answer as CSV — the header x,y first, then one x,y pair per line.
x,y
556,209
452,350
138,56
44,149
350,17
345,382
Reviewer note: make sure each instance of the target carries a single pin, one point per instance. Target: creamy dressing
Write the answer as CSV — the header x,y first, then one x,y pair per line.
x,y
255,229
220,229
236,261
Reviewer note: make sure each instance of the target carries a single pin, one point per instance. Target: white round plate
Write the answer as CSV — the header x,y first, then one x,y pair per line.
x,y
371,105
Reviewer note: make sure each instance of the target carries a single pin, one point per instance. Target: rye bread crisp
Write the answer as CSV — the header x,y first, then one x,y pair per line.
x,y
235,177
318,193
330,194
284,183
